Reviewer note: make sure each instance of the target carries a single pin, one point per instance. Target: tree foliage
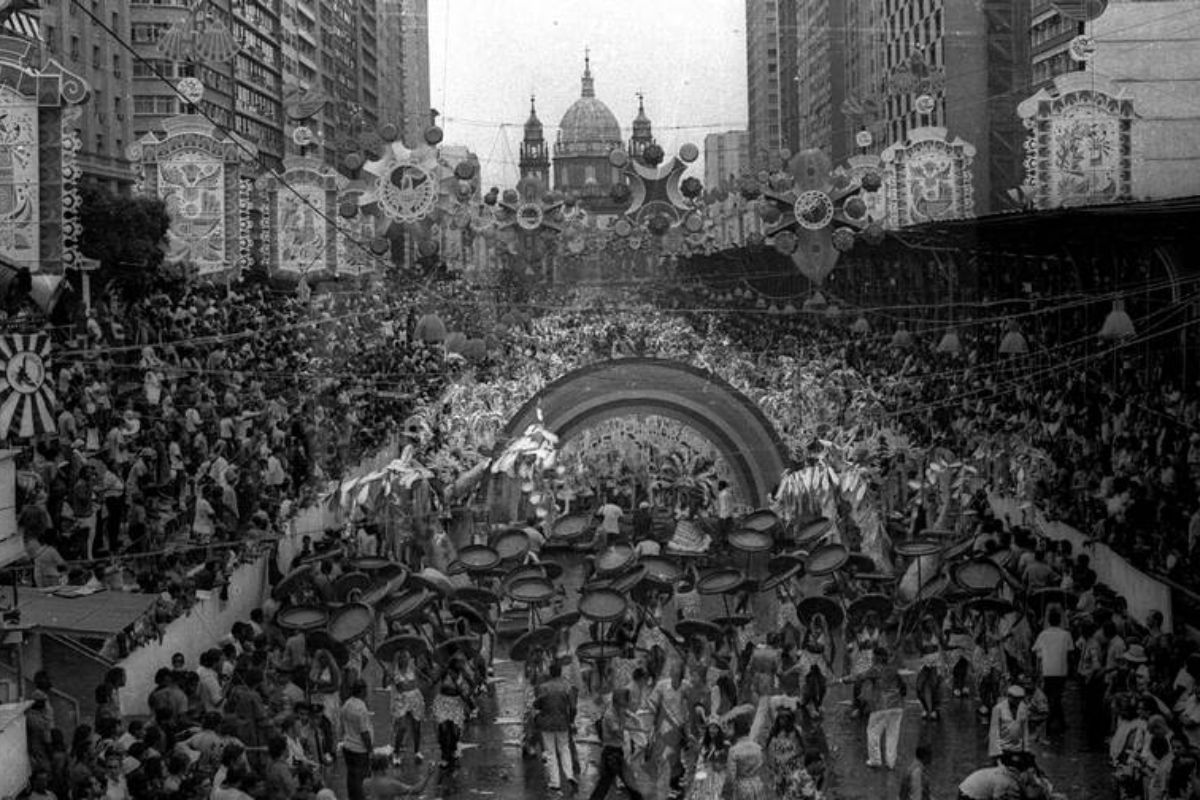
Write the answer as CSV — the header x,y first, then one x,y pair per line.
x,y
127,235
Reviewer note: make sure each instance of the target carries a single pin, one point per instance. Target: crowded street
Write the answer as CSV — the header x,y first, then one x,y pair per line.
x,y
738,400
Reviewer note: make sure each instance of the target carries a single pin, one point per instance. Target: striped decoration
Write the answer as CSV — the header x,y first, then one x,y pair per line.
x,y
27,400
16,19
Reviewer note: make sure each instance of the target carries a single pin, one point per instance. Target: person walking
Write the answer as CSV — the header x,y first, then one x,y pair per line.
x,y
612,747
668,704
1053,648
1008,731
356,740
882,693
915,783
555,707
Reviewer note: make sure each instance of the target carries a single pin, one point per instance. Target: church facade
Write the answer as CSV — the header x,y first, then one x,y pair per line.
x,y
577,164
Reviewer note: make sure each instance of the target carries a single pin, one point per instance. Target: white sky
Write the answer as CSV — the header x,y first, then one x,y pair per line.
x,y
487,56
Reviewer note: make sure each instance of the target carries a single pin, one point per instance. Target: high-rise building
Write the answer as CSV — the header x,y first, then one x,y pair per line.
x,y
981,50
771,67
404,66
1050,35
106,124
242,95
726,158
821,74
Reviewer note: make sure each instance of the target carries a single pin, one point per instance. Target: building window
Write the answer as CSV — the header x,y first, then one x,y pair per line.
x,y
96,56
100,143
74,48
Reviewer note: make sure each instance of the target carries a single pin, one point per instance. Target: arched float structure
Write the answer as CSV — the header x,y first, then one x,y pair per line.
x,y
624,386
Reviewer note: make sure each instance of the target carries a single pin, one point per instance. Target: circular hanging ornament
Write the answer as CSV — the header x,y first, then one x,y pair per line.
x,y
409,194
1082,48
925,104
389,132
813,210
855,209
620,193
191,89
864,139
689,153
653,155
302,136
872,181
843,240
530,216
691,187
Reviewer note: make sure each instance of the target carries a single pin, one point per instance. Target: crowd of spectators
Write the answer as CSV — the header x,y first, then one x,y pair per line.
x,y
193,422
1118,437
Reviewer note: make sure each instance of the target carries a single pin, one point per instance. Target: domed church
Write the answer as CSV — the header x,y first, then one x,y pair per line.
x,y
588,132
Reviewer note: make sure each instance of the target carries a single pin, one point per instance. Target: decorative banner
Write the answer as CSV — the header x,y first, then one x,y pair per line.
x,y
354,234
27,400
196,171
198,38
814,215
660,198
19,212
39,198
1080,142
929,178
673,456
302,204
408,191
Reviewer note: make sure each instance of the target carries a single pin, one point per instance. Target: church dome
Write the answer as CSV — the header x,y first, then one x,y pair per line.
x,y
589,120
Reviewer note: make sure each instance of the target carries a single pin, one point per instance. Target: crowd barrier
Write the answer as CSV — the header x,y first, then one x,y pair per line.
x,y
1143,592
212,618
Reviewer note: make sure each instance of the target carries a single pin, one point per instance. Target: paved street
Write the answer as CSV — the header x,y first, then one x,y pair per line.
x,y
492,765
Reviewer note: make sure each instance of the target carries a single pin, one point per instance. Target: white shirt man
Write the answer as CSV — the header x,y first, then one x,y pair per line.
x,y
610,518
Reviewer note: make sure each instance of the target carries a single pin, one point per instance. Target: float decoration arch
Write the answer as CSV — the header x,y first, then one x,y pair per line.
x,y
720,413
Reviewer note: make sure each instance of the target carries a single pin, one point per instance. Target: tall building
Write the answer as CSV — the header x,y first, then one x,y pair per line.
x,y
535,153
981,49
771,65
106,125
588,132
404,66
726,158
242,95
821,74
863,54
1050,34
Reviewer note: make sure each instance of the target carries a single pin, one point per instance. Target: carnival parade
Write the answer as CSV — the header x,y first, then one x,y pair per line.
x,y
833,436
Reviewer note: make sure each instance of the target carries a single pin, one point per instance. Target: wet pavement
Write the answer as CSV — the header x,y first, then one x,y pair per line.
x,y
492,766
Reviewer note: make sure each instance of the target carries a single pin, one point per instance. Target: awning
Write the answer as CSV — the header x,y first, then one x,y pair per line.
x,y
102,614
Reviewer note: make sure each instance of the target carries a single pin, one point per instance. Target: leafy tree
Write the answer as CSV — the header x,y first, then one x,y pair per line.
x,y
127,235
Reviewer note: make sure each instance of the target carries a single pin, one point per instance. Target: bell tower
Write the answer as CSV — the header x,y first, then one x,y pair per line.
x,y
643,135
535,153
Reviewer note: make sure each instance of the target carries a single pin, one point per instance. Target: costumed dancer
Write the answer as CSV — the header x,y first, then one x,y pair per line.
x,y
933,660
407,704
815,659
450,707
708,782
746,766
861,651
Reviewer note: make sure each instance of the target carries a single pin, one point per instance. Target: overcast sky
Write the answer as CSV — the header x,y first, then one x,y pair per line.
x,y
487,56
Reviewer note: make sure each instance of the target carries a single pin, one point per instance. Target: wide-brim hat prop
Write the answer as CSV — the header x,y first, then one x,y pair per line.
x,y
1136,654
